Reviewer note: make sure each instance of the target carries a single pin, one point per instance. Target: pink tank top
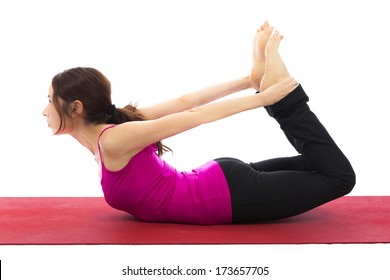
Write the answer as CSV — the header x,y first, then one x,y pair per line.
x,y
152,190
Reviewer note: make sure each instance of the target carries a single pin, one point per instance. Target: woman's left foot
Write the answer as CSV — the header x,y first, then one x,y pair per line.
x,y
259,45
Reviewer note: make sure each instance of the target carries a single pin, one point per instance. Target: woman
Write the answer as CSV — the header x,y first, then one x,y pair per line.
x,y
127,146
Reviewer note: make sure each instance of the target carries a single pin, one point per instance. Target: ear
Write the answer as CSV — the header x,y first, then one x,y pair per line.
x,y
76,108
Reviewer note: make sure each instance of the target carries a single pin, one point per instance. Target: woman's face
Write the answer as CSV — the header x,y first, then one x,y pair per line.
x,y
51,114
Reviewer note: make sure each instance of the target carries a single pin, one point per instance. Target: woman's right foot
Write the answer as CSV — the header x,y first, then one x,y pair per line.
x,y
275,69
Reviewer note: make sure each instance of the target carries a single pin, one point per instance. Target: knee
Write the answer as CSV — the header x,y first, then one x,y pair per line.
x,y
346,182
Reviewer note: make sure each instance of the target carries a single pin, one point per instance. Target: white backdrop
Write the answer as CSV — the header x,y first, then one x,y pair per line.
x,y
153,50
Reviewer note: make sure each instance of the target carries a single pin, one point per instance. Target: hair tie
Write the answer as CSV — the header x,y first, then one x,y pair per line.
x,y
111,110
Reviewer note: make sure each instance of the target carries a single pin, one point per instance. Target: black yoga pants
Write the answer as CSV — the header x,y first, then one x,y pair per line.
x,y
283,187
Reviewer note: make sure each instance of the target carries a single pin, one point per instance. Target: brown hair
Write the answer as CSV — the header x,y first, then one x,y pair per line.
x,y
93,89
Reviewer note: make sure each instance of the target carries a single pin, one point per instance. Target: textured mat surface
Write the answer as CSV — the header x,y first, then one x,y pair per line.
x,y
89,220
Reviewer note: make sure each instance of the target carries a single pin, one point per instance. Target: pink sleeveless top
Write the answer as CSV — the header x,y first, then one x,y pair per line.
x,y
152,190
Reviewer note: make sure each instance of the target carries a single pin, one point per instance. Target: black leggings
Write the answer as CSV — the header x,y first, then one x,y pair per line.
x,y
284,187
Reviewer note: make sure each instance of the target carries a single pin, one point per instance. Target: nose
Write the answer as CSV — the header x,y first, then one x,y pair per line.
x,y
44,112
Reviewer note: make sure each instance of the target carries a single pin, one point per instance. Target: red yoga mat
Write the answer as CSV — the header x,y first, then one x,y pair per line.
x,y
89,220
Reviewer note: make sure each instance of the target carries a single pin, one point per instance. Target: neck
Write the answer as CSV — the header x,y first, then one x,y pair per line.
x,y
87,136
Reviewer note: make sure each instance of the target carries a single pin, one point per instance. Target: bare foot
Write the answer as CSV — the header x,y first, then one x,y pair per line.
x,y
275,69
259,45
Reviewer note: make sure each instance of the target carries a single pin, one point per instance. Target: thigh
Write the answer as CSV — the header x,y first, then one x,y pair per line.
x,y
278,164
262,195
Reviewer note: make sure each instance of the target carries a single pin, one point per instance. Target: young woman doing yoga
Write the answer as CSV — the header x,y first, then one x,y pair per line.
x,y
127,146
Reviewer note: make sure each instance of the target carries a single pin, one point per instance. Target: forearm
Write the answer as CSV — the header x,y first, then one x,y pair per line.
x,y
225,108
212,93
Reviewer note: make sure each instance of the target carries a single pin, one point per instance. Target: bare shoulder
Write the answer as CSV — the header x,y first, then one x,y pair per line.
x,y
115,150
118,139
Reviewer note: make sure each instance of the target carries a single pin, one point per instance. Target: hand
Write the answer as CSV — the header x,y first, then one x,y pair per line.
x,y
278,91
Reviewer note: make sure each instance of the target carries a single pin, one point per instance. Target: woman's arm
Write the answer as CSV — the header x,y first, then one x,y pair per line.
x,y
127,139
194,99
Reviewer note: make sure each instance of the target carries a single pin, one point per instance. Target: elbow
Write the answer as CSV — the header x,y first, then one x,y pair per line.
x,y
197,117
184,102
